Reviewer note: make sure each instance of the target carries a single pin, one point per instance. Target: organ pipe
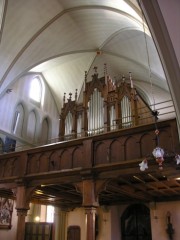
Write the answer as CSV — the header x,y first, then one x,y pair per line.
x,y
95,113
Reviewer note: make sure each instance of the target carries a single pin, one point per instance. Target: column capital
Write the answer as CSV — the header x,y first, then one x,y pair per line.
x,y
22,211
90,210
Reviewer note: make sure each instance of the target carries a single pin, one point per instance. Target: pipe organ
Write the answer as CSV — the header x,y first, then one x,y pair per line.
x,y
106,106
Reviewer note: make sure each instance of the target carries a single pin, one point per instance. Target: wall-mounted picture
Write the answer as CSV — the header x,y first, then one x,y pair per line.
x,y
6,209
9,145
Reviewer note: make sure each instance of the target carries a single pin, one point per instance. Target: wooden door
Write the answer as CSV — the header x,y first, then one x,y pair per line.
x,y
38,231
136,223
73,233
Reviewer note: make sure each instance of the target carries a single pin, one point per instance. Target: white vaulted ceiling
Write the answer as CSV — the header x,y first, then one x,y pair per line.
x,y
61,39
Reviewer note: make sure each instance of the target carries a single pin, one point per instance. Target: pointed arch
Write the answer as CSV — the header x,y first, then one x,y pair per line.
x,y
101,154
136,223
132,148
45,131
31,126
116,151
77,158
18,120
147,143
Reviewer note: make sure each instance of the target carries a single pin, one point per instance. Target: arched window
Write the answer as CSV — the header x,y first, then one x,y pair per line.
x,y
35,92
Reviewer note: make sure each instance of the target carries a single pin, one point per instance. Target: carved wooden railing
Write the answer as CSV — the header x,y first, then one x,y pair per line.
x,y
89,152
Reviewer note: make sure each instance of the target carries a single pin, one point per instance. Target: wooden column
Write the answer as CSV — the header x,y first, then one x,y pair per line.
x,y
22,206
134,108
91,223
90,202
61,127
21,214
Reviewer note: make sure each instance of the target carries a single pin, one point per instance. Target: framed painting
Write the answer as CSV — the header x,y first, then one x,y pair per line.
x,y
6,209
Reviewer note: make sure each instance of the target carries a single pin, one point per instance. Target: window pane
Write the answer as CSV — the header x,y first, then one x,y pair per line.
x,y
50,214
35,90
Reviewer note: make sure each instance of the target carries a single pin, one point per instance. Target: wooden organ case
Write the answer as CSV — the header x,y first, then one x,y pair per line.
x,y
106,106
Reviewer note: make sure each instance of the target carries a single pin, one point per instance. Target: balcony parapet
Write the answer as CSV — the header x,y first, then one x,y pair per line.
x,y
72,156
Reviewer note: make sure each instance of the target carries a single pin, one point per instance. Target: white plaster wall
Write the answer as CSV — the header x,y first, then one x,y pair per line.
x,y
104,223
20,94
77,218
158,220
170,11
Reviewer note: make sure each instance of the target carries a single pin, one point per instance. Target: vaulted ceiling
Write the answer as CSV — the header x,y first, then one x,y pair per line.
x,y
61,39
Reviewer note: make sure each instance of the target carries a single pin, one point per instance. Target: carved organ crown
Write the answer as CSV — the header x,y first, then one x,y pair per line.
x,y
107,106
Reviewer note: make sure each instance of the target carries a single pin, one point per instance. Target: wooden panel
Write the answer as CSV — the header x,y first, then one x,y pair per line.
x,y
73,233
38,231
165,140
8,171
44,162
66,160
77,158
147,144
54,161
33,164
132,148
101,153
117,151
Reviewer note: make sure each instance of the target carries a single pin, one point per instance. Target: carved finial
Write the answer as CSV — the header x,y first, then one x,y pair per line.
x,y
70,96
95,70
85,80
105,72
64,98
131,81
105,69
76,95
85,77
